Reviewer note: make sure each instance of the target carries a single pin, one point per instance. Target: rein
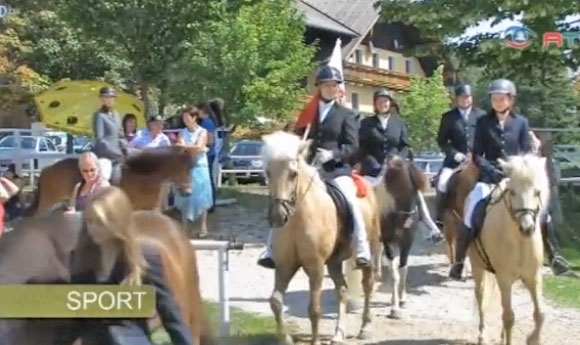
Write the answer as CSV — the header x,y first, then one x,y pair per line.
x,y
289,204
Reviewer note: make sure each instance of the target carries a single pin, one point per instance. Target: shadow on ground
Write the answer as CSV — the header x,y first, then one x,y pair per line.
x,y
419,342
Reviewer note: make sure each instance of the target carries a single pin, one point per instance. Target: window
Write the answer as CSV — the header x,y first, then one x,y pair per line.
x,y
42,145
391,63
358,57
376,60
51,146
408,67
354,100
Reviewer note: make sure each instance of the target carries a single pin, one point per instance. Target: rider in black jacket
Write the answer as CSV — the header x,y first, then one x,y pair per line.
x,y
499,134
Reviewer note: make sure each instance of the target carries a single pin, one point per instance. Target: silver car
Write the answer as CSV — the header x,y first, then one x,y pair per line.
x,y
36,150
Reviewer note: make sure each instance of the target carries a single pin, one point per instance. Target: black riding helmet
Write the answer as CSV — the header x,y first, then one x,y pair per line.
x,y
505,86
328,73
462,90
107,92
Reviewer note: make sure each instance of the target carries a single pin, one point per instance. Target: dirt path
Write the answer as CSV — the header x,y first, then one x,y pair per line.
x,y
439,311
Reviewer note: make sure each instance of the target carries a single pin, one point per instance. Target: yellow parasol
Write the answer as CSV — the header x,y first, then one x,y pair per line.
x,y
69,105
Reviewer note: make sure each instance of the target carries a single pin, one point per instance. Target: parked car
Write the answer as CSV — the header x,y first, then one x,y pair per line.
x,y
244,155
29,145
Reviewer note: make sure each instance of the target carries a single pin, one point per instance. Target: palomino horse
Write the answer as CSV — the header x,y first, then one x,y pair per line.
x,y
459,186
143,175
49,242
509,244
311,233
397,192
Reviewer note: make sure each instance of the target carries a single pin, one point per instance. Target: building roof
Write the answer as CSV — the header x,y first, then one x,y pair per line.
x,y
317,19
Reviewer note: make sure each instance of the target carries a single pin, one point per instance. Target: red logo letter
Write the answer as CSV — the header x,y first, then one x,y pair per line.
x,y
552,37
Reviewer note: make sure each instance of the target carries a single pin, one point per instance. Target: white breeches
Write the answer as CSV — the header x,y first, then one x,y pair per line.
x,y
443,179
479,192
372,180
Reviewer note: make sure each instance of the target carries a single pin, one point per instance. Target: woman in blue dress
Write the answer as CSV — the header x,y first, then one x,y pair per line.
x,y
194,139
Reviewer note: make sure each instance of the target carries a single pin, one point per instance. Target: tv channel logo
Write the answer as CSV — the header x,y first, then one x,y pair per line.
x,y
518,37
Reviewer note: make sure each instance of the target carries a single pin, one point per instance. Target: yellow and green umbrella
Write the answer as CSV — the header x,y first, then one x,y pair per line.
x,y
69,105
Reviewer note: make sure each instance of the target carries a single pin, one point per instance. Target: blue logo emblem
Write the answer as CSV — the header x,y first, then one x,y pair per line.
x,y
518,37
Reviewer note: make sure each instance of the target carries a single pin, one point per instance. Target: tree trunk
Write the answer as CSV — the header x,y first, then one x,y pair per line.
x,y
149,106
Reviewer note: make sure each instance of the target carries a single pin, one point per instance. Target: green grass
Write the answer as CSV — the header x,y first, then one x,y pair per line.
x,y
565,291
245,328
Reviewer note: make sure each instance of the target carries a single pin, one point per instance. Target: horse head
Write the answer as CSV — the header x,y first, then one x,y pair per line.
x,y
402,180
528,189
162,164
285,155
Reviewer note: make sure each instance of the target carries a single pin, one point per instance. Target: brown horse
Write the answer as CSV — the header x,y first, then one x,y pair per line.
x,y
311,233
459,186
143,175
398,192
509,244
48,243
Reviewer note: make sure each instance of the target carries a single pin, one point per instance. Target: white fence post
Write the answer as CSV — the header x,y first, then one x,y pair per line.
x,y
222,247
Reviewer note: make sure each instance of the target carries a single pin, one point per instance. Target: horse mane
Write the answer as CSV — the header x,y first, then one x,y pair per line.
x,y
397,165
281,146
217,107
152,159
530,170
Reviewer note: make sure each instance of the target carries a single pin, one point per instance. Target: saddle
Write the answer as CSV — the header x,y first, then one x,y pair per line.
x,y
478,216
342,207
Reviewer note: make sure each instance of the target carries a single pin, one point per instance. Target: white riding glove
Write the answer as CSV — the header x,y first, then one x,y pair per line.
x,y
459,157
324,155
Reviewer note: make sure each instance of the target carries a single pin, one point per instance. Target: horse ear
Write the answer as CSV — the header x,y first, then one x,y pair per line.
x,y
504,165
304,148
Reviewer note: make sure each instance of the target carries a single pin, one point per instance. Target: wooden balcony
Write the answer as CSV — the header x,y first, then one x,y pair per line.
x,y
376,77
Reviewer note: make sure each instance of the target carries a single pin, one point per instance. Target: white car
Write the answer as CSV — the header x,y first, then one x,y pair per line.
x,y
37,146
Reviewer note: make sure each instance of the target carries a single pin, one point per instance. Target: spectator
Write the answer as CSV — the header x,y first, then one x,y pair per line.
x,y
152,136
8,189
93,180
193,138
129,124
206,121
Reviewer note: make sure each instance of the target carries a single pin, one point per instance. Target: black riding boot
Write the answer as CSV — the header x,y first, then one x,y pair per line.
x,y
557,262
461,245
440,199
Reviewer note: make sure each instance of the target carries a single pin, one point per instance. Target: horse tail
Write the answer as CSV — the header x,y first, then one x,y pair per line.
x,y
488,289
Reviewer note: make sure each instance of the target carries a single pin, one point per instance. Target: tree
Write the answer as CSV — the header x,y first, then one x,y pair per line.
x,y
545,91
253,56
422,106
150,34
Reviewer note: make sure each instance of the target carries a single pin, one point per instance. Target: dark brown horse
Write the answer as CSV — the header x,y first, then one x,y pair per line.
x,y
40,250
398,194
142,178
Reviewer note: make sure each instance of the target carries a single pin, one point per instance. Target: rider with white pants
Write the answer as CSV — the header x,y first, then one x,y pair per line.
x,y
334,133
455,139
499,134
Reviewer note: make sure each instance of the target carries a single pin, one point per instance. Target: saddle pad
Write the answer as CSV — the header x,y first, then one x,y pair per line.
x,y
361,185
478,216
341,205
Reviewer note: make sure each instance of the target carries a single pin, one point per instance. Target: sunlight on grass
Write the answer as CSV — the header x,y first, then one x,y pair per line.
x,y
246,328
565,291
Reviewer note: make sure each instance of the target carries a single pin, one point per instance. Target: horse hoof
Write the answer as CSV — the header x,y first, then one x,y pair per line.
x,y
481,340
402,304
337,342
396,314
365,334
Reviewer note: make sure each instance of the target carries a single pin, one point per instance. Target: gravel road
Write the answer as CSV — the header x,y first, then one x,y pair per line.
x,y
439,312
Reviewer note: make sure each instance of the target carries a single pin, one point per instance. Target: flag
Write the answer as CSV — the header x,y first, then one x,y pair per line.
x,y
308,114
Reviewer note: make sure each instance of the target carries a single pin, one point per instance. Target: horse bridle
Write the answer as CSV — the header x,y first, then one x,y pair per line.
x,y
517,213
289,204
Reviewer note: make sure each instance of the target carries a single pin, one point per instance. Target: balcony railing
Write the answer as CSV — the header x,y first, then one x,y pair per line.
x,y
370,76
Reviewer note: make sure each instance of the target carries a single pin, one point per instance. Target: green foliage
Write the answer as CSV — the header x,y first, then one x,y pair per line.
x,y
253,56
422,107
545,90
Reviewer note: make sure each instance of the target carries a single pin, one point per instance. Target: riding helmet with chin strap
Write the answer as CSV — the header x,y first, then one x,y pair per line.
x,y
503,86
382,92
328,73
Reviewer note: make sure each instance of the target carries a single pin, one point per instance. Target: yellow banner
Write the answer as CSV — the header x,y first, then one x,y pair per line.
x,y
76,301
